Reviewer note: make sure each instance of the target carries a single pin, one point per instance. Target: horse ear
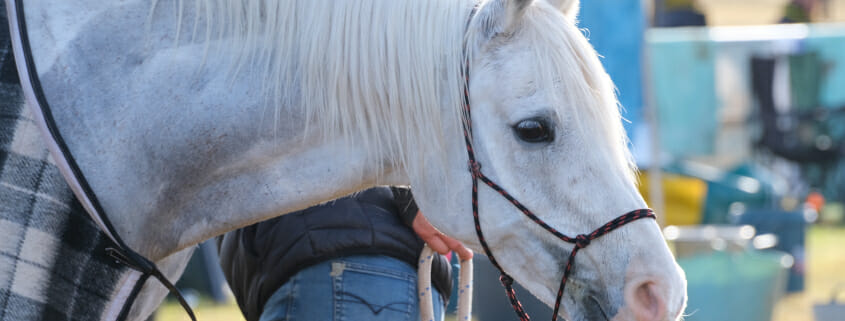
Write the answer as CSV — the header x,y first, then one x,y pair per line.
x,y
568,7
502,16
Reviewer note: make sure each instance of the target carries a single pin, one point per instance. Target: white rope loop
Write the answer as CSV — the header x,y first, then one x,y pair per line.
x,y
425,293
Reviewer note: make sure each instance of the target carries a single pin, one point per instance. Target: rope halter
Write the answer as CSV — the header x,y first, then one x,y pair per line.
x,y
579,242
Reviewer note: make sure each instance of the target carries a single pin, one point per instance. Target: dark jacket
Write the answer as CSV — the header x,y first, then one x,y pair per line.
x,y
260,258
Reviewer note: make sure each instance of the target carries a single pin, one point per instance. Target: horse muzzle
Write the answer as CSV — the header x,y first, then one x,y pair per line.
x,y
653,297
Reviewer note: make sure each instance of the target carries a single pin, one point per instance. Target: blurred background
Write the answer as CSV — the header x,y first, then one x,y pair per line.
x,y
736,114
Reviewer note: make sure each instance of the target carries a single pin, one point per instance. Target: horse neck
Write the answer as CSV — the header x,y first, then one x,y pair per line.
x,y
265,179
195,169
285,169
213,155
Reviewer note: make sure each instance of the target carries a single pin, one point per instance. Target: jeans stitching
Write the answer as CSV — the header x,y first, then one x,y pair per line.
x,y
375,308
292,298
337,285
366,269
370,269
412,293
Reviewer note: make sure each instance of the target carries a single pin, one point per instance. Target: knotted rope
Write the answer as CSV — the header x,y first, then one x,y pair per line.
x,y
424,287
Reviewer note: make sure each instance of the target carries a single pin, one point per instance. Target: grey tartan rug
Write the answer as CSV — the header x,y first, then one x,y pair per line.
x,y
52,260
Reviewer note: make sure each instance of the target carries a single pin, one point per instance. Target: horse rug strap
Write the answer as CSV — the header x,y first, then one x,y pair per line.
x,y
37,100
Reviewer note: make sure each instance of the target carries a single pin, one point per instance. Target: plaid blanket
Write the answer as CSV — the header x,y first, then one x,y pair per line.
x,y
52,260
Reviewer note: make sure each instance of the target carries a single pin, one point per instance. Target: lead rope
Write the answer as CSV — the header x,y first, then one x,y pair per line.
x,y
580,241
425,293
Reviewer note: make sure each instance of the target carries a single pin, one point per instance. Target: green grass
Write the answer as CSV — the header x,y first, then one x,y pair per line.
x,y
825,270
205,311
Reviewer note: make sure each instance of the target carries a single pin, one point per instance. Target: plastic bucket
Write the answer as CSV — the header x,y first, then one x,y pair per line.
x,y
735,286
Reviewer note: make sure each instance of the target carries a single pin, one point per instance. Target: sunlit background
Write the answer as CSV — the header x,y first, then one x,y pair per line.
x,y
737,121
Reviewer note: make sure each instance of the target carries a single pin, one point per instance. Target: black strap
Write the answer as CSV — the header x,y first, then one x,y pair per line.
x,y
124,311
121,252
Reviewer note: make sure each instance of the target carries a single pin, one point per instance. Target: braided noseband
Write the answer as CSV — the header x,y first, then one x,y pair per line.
x,y
580,241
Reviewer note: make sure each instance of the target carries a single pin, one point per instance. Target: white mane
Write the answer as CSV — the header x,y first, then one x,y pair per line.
x,y
375,72
380,72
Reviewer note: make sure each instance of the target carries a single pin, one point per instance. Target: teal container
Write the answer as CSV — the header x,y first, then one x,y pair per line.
x,y
735,286
682,69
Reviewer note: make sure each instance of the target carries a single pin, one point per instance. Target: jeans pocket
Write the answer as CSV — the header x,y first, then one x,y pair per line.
x,y
375,292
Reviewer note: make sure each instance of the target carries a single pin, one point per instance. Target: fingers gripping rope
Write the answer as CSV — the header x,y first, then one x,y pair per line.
x,y
424,287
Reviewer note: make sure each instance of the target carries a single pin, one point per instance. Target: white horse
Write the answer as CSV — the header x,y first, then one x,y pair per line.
x,y
192,118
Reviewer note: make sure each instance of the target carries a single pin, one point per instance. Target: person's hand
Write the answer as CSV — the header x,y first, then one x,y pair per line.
x,y
439,242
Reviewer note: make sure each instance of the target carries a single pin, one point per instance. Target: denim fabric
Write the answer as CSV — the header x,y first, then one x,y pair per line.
x,y
365,288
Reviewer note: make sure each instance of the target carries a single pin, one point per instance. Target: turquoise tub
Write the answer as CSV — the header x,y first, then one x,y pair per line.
x,y
735,286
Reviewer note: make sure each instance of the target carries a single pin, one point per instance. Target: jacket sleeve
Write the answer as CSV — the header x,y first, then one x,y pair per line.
x,y
405,204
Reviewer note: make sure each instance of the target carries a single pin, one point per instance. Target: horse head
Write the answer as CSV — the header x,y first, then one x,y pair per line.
x,y
546,128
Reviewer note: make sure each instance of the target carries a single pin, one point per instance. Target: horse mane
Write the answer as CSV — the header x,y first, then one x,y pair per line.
x,y
377,73
382,73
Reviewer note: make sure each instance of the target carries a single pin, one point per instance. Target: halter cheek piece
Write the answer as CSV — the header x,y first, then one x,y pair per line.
x,y
580,241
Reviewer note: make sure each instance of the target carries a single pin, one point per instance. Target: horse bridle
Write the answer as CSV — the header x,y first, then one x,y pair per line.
x,y
580,241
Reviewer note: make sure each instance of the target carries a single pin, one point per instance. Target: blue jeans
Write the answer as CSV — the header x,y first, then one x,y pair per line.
x,y
366,288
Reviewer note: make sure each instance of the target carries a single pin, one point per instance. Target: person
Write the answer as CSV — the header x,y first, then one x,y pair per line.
x,y
798,11
680,13
354,258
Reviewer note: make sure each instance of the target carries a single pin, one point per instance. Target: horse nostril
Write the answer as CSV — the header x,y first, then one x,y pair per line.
x,y
646,301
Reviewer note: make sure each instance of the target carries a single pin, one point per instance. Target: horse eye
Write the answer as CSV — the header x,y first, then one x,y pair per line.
x,y
533,131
